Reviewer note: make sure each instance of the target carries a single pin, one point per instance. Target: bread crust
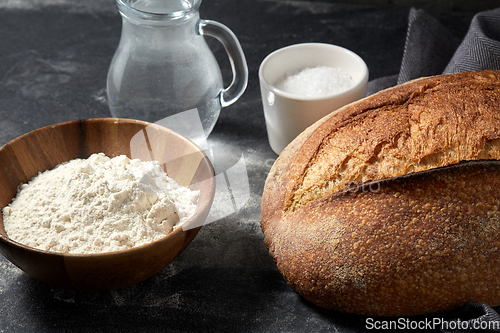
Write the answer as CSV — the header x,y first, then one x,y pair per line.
x,y
400,241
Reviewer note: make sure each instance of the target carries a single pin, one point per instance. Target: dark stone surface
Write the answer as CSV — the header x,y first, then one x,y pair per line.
x,y
53,66
441,5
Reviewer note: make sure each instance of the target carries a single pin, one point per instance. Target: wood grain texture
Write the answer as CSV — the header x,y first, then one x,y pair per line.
x,y
43,149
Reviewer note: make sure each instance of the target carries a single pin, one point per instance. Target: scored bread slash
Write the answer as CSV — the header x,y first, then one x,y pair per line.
x,y
389,206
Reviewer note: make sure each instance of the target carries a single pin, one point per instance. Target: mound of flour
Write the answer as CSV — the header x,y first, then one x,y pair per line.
x,y
99,204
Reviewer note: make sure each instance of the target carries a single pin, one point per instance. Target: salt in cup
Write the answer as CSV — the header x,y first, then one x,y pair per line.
x,y
287,112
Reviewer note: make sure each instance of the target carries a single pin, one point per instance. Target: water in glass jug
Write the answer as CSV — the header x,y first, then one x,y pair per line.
x,y
163,65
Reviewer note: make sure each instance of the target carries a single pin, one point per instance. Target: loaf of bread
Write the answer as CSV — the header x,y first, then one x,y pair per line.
x,y
390,206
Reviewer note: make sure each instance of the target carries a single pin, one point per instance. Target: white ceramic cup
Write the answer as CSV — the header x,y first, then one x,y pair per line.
x,y
287,115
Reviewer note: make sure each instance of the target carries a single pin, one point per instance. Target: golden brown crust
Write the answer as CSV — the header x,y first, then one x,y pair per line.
x,y
408,245
422,125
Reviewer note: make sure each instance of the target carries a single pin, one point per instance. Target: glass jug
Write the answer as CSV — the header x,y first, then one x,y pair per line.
x,y
163,65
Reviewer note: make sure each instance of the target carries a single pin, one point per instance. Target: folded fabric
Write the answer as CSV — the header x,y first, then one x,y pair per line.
x,y
430,49
473,317
481,47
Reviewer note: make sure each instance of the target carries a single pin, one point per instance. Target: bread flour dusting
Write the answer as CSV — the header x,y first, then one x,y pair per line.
x,y
99,204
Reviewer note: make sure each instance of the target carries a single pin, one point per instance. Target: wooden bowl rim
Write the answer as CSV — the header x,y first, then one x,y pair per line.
x,y
201,206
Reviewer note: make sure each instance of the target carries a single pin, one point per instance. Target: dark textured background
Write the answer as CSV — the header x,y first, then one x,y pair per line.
x,y
449,5
54,57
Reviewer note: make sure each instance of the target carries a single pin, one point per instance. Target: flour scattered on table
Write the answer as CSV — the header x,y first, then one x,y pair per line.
x,y
99,204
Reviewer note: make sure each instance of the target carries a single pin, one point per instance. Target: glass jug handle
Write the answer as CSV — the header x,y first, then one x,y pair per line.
x,y
236,58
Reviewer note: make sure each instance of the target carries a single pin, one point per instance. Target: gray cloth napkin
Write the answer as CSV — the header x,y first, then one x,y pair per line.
x,y
431,49
474,317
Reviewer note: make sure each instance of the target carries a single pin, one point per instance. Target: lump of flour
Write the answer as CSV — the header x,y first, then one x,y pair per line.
x,y
99,204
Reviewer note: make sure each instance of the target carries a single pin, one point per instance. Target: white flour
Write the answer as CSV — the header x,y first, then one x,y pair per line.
x,y
98,205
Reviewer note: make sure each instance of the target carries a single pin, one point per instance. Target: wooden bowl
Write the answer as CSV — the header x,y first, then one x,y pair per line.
x,y
44,148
